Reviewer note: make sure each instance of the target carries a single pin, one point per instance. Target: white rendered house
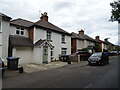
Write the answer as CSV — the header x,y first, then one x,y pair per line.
x,y
38,42
4,35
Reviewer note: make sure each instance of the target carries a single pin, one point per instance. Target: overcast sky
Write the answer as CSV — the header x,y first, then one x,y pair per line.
x,y
71,15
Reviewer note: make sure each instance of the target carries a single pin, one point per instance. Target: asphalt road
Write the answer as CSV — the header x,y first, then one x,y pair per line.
x,y
71,76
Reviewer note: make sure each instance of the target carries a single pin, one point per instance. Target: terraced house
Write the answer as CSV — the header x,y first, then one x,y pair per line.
x,y
103,45
80,41
37,42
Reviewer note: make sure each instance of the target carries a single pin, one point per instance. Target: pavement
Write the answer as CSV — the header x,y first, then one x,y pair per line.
x,y
30,68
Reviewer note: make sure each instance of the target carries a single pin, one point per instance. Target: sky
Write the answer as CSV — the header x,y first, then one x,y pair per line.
x,y
71,15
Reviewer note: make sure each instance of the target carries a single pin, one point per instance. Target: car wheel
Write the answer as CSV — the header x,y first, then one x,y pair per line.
x,y
89,63
107,62
102,63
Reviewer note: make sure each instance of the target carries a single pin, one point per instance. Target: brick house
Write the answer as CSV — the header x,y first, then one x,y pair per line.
x,y
103,44
80,41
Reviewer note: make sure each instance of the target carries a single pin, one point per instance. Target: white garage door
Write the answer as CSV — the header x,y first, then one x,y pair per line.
x,y
25,54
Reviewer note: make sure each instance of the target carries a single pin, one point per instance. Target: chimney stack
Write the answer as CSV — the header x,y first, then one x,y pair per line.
x,y
97,38
81,32
106,39
44,17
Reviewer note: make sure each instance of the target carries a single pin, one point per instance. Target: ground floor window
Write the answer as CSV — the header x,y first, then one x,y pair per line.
x,y
51,53
63,51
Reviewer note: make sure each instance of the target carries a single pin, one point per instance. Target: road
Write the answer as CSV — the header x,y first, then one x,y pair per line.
x,y
71,76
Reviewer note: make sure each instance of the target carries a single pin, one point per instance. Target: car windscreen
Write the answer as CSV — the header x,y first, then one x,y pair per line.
x,y
96,55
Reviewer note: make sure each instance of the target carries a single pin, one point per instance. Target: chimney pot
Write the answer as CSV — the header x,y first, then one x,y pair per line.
x,y
106,39
81,32
44,16
97,38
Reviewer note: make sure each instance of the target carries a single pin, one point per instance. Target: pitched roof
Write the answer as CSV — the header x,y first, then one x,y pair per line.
x,y
42,42
50,26
21,22
5,16
17,40
109,43
39,42
100,41
82,37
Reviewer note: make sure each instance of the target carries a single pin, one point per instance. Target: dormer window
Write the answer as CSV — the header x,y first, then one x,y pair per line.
x,y
20,31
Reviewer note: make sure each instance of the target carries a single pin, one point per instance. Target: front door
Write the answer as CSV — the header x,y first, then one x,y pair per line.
x,y
45,54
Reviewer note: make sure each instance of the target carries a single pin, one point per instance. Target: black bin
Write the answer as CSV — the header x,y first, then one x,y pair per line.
x,y
65,58
12,63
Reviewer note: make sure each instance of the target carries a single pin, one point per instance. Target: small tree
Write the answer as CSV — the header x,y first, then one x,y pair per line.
x,y
97,47
85,49
115,11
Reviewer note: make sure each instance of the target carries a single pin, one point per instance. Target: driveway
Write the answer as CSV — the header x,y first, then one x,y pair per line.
x,y
30,68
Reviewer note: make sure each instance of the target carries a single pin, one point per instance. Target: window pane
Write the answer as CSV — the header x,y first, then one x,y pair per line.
x,y
0,26
63,38
22,28
64,51
51,53
17,32
48,35
17,27
22,32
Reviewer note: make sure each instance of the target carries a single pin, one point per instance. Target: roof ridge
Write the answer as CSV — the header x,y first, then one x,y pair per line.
x,y
22,19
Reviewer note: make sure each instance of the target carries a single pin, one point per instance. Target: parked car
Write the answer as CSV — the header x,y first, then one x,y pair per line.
x,y
84,55
113,53
2,67
98,58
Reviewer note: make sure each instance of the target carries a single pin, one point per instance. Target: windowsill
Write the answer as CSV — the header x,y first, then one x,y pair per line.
x,y
63,42
50,40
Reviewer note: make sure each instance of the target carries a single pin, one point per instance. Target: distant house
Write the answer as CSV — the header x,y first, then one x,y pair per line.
x,y
4,34
103,44
38,42
80,41
110,46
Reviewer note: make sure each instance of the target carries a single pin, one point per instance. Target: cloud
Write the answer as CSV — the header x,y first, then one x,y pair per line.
x,y
62,5
70,15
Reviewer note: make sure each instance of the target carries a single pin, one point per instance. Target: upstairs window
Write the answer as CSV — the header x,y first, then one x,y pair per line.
x,y
19,31
48,35
0,26
63,51
63,39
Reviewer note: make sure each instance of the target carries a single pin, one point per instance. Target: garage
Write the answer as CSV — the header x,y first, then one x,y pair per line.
x,y
25,54
22,47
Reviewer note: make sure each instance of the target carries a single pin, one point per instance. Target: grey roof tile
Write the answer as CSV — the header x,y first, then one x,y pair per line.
x,y
21,22
17,40
5,16
82,37
49,25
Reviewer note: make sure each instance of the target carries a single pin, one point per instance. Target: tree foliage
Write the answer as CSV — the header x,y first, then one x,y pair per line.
x,y
115,11
97,47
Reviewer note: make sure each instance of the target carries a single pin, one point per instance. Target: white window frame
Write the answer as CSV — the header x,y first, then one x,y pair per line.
x,y
63,51
51,53
48,35
63,38
0,26
20,30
